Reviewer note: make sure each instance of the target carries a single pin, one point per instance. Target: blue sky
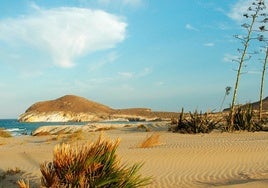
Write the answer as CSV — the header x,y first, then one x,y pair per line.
x,y
163,55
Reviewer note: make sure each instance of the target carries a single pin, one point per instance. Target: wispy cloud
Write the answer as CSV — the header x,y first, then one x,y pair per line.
x,y
62,34
239,8
209,44
190,27
134,75
127,75
109,58
146,71
229,57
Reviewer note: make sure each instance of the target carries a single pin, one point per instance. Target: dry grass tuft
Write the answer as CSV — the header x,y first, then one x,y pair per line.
x,y
89,165
150,141
22,184
4,133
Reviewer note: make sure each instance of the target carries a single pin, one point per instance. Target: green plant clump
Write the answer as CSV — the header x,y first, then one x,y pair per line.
x,y
89,165
195,123
243,120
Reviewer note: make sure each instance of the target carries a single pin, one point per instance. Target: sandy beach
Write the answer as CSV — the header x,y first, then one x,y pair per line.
x,y
217,159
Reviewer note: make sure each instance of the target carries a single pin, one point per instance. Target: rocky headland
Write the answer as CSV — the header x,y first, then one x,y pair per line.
x,y
71,108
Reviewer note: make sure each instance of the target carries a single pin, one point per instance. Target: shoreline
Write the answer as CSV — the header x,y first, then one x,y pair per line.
x,y
22,128
236,159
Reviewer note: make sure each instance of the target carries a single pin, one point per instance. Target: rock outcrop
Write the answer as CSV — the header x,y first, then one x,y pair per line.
x,y
78,109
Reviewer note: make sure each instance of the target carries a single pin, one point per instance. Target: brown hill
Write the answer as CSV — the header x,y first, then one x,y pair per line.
x,y
255,105
74,108
70,103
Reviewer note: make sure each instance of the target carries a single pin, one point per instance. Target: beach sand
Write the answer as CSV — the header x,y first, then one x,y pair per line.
x,y
204,160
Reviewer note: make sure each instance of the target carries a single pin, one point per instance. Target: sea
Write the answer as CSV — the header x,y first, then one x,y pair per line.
x,y
17,128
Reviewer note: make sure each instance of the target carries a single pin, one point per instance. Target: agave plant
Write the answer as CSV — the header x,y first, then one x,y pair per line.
x,y
243,119
195,123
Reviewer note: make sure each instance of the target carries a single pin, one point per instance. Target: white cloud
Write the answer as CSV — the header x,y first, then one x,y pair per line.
x,y
34,6
135,75
63,34
239,8
209,44
229,58
190,27
126,74
146,71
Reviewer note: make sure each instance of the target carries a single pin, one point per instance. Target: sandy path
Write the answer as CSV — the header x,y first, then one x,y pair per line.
x,y
205,160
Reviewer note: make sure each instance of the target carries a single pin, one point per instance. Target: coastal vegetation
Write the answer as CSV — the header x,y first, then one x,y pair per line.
x,y
151,141
89,165
244,118
240,117
256,17
195,122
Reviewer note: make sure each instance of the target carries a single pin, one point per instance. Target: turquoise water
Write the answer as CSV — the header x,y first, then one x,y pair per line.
x,y
17,128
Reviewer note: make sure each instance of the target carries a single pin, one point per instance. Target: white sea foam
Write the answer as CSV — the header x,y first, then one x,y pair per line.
x,y
17,131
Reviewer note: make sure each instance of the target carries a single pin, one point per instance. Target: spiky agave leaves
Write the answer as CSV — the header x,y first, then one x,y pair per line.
x,y
90,165
196,123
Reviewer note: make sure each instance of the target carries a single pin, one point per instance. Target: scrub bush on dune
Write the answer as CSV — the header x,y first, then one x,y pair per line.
x,y
195,123
90,165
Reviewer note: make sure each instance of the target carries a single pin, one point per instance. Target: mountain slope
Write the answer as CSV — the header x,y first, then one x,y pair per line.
x,y
255,105
70,103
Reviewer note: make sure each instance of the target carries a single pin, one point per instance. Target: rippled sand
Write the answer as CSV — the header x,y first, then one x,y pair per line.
x,y
203,160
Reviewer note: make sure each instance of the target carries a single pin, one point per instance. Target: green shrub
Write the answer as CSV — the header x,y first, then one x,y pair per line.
x,y
89,165
195,123
243,120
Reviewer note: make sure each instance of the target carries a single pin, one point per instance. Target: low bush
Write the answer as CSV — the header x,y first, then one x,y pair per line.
x,y
243,120
90,165
195,123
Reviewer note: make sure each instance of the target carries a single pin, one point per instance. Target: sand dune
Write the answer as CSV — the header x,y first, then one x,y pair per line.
x,y
204,160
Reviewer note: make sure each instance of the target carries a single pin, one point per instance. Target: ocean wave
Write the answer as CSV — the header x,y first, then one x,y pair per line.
x,y
17,131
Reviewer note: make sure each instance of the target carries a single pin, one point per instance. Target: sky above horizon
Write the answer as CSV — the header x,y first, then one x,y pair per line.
x,y
162,55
